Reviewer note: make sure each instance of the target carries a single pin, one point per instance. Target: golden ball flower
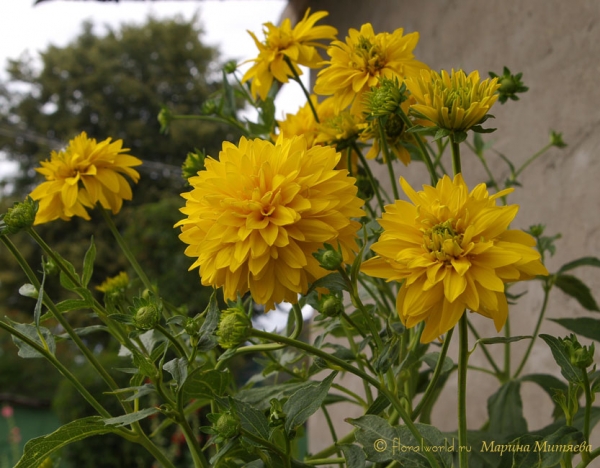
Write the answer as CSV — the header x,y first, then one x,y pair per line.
x,y
255,217
453,250
84,173
454,101
357,65
298,44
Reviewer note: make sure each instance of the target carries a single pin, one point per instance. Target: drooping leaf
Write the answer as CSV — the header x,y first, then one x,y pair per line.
x,y
207,340
332,281
584,326
432,358
205,383
305,402
355,457
40,448
503,339
575,288
584,261
178,368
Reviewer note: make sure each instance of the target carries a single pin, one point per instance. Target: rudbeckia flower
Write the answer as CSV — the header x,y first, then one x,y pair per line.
x,y
452,250
255,217
453,102
83,174
299,44
356,65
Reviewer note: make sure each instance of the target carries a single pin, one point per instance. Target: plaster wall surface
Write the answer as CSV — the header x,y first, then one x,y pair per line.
x,y
555,44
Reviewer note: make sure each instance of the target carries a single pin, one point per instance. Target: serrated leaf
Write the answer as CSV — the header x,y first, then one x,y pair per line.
x,y
568,370
503,339
88,263
576,288
205,383
129,418
505,409
40,448
28,290
355,457
305,402
178,368
46,340
584,261
584,326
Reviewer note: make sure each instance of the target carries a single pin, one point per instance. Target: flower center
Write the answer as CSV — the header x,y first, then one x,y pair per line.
x,y
443,242
369,56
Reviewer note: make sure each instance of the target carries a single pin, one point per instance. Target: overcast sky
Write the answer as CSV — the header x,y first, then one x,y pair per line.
x,y
24,27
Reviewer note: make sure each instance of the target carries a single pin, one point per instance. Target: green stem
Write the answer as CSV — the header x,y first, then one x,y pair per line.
x,y
353,370
588,459
588,406
210,118
354,349
547,288
388,159
463,358
532,158
126,251
327,452
192,443
324,461
424,153
331,430
455,147
304,90
431,387
160,457
372,179
507,348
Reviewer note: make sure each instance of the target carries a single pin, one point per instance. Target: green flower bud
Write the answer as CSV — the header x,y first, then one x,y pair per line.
x,y
556,139
329,258
194,163
234,328
385,99
580,356
510,85
330,305
164,118
209,107
230,67
276,414
228,425
147,317
51,268
20,216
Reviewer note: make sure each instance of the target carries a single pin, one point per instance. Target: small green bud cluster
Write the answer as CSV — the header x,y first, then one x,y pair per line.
x,y
194,163
329,258
20,216
331,305
276,413
165,117
557,140
510,85
385,99
234,328
580,356
225,426
146,311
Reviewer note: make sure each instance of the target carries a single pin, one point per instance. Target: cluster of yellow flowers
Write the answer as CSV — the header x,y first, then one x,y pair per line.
x,y
256,215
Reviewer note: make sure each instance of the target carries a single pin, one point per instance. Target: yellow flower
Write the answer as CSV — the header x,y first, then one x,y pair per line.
x,y
337,127
453,250
114,284
357,65
83,174
298,44
302,122
453,102
256,216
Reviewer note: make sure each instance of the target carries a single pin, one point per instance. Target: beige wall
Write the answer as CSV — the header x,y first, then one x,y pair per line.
x,y
556,44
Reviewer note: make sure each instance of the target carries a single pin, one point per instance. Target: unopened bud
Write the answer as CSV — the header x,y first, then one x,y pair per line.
x,y
329,258
228,425
330,305
234,328
20,216
194,163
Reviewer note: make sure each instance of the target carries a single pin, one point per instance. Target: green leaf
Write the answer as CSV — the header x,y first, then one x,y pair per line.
x,y
503,339
505,409
178,369
260,397
355,457
431,360
72,304
37,311
566,435
383,443
40,448
88,263
207,339
305,402
252,420
207,383
584,326
528,457
332,281
380,404
584,261
549,384
40,335
129,418
83,331
568,370
575,288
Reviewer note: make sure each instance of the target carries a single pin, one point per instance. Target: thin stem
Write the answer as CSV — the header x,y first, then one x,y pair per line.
x,y
331,430
266,444
388,159
588,406
424,153
178,348
532,158
372,179
431,387
547,288
126,251
507,348
484,349
463,358
327,452
304,90
588,459
354,349
353,370
455,147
